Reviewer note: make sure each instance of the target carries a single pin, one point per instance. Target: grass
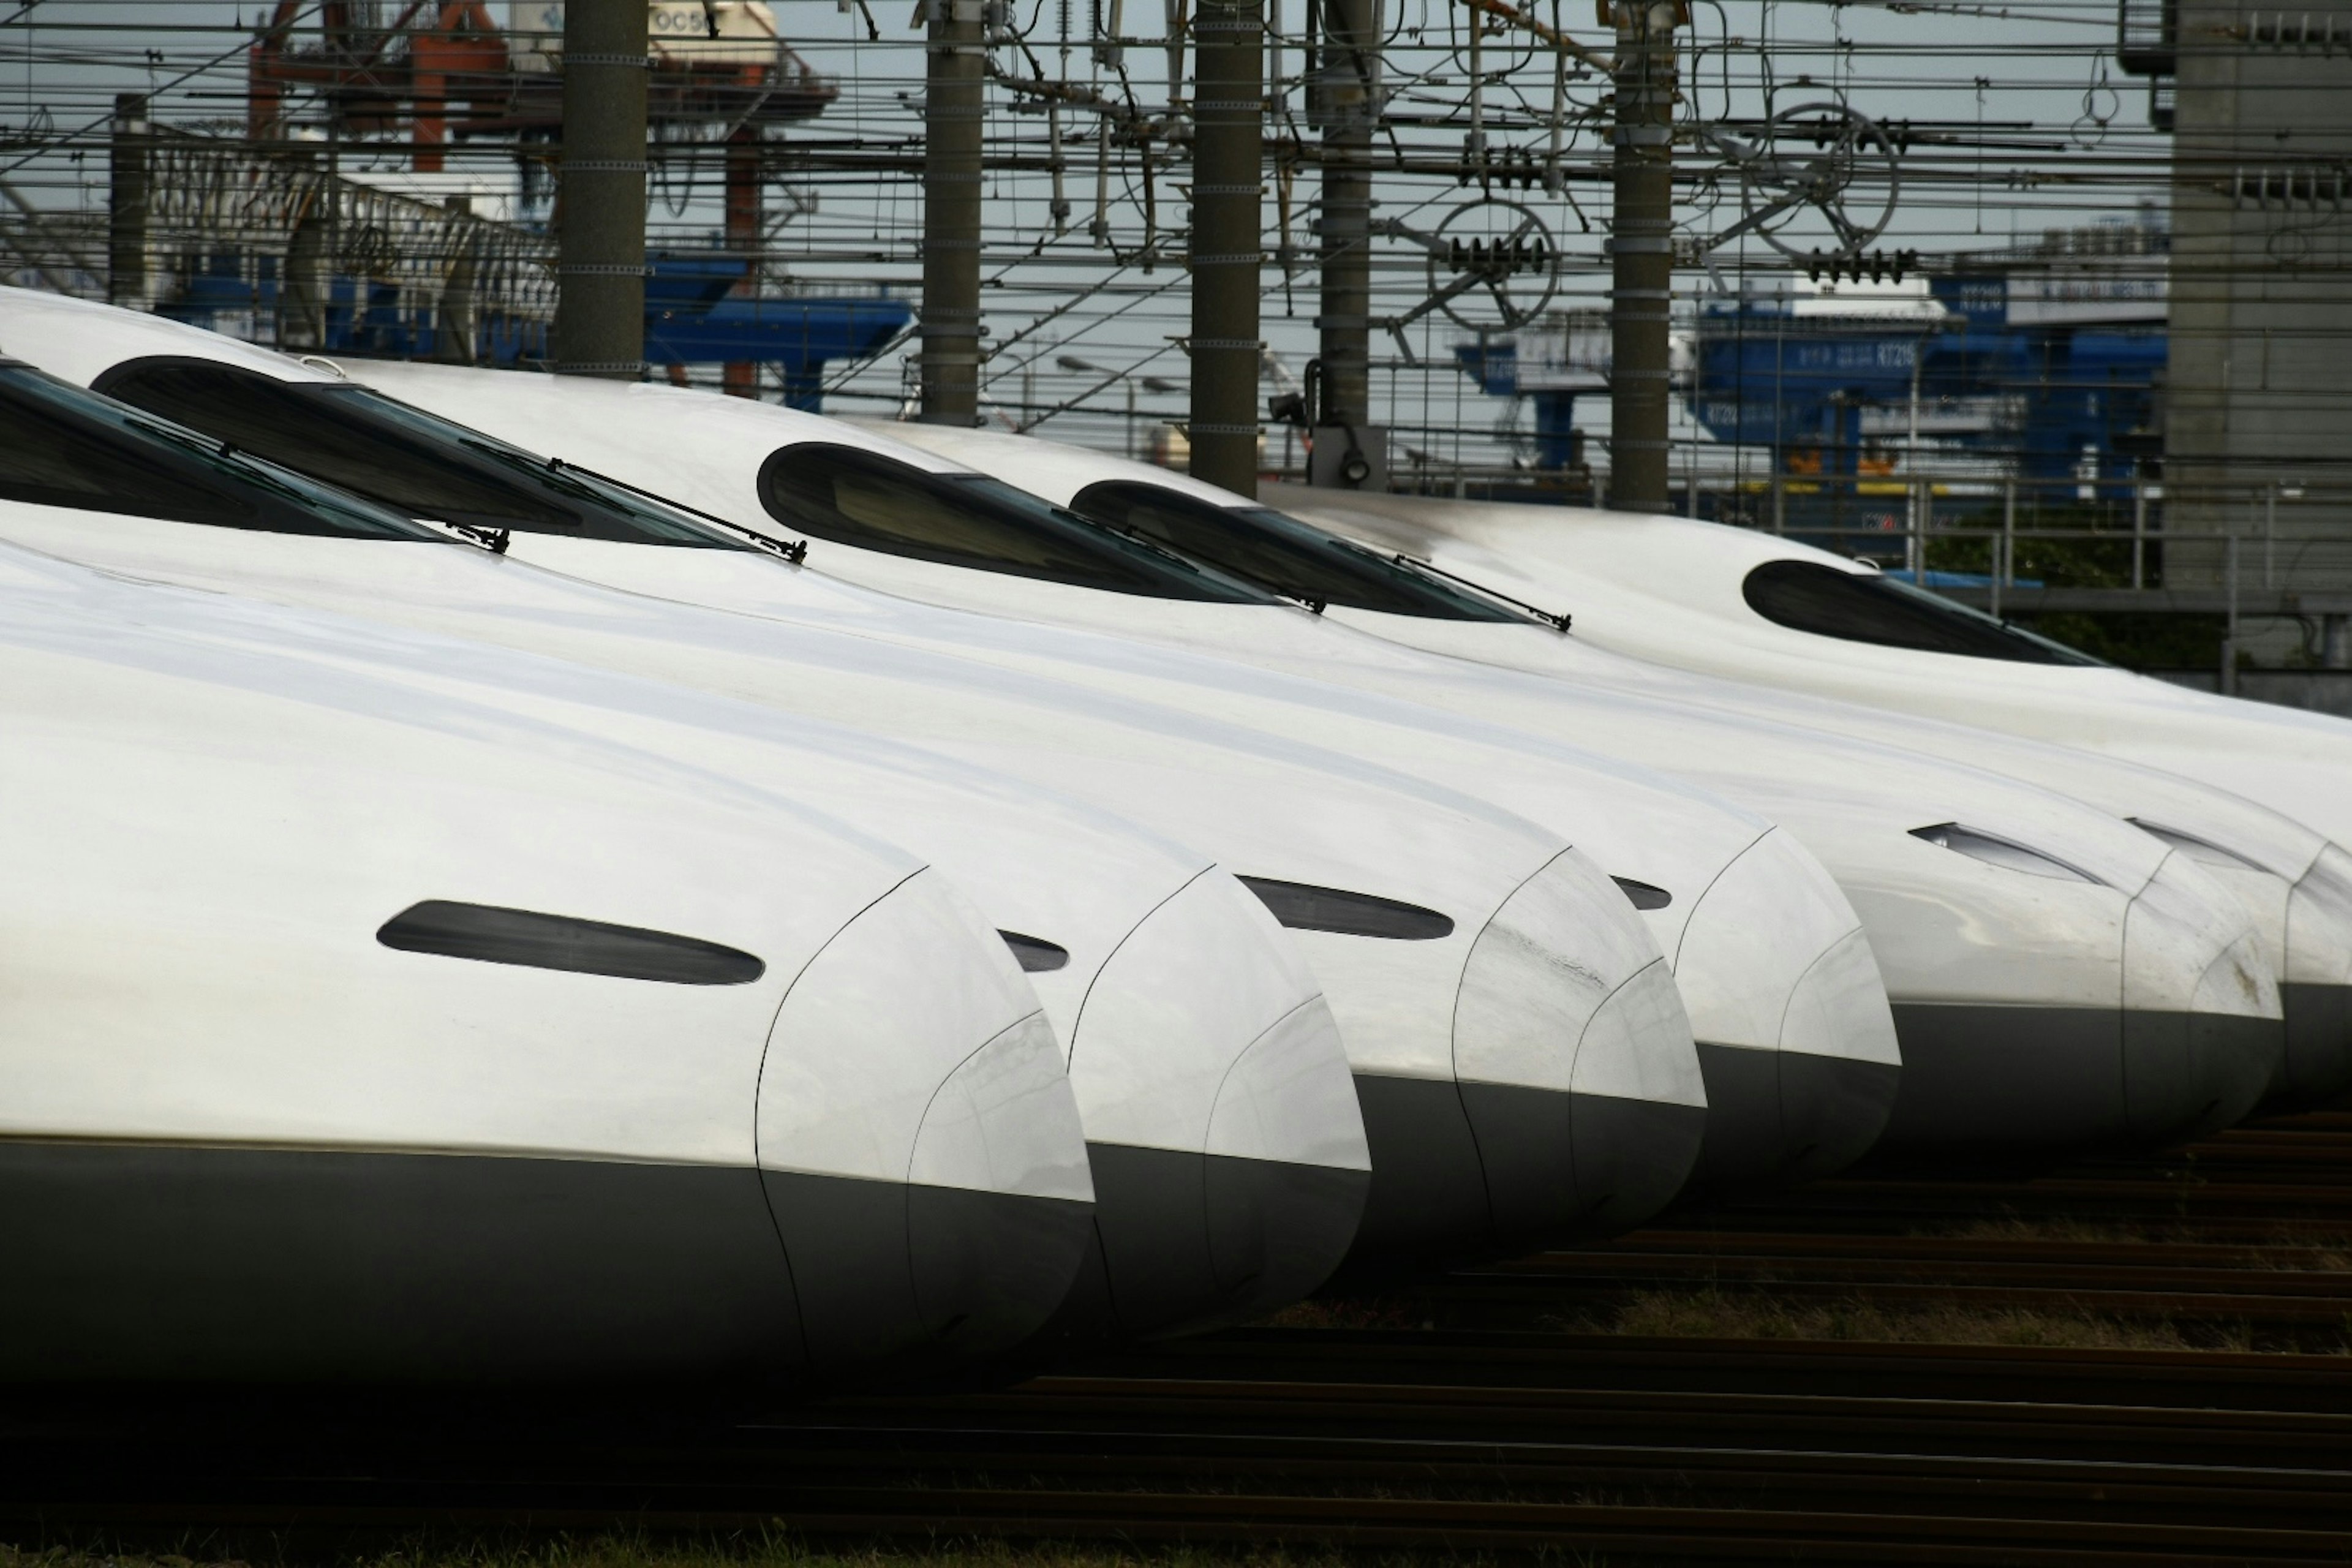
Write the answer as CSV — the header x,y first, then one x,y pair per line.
x,y
1350,1312
2083,1232
1717,1314
776,1549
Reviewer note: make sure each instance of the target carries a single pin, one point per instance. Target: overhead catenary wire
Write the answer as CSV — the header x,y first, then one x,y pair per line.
x,y
860,163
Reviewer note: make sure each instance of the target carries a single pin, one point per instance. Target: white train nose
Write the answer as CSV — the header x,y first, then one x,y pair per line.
x,y
2204,1036
2198,1039
1795,1036
2316,990
1576,1107
1229,1159
919,1143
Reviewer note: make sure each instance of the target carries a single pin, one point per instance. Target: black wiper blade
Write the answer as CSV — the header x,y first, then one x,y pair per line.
x,y
494,539
1558,620
792,549
1263,585
190,440
264,473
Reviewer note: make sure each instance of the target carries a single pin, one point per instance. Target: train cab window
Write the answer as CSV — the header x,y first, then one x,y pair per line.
x,y
1286,555
1808,596
396,455
864,499
61,445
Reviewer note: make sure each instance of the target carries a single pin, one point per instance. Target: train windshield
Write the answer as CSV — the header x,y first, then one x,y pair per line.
x,y
1289,556
62,446
854,496
396,455
1808,596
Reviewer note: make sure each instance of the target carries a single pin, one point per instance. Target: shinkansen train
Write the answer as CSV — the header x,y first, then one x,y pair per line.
x,y
331,1058
2106,1005
1520,1050
1795,1036
1226,1144
1221,1126
2285,875
1762,609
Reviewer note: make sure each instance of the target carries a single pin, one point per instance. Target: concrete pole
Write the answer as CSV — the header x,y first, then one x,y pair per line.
x,y
1641,255
1228,150
1346,95
744,179
600,300
954,89
127,203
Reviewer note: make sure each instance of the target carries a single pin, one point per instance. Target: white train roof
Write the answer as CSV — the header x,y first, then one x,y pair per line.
x,y
1670,590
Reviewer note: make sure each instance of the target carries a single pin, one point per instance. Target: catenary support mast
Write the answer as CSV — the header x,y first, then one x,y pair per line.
x,y
955,85
1345,99
1229,119
600,303
1641,254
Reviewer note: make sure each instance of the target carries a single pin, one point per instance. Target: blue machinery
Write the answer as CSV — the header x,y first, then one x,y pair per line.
x,y
691,317
2064,388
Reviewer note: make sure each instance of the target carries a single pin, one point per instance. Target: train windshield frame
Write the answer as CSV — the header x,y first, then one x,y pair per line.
x,y
870,500
395,454
1292,557
65,445
1869,607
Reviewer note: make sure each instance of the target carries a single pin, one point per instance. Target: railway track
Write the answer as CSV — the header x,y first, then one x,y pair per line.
x,y
1473,1414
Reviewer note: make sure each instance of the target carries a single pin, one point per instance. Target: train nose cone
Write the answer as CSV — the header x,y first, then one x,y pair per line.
x,y
1839,1065
2204,1036
996,1207
1795,1035
1229,1159
1289,1168
918,1142
1576,1066
2317,991
2163,1022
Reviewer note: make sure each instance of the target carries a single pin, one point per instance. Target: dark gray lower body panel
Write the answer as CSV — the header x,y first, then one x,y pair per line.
x,y
1191,1242
1428,1192
1626,1159
2187,1075
2318,1044
1784,1116
1463,1169
2049,1081
1834,1110
180,1264
907,1279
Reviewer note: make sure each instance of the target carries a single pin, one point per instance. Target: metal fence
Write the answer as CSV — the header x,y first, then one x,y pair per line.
x,y
278,246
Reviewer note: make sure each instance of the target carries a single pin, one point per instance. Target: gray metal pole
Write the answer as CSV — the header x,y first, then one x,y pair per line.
x,y
2139,530
1228,149
600,263
2270,536
2229,674
1641,255
2005,570
127,199
1345,98
954,88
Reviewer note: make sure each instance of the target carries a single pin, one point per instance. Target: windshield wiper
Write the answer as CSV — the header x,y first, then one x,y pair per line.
x,y
792,549
1263,585
1557,620
287,483
494,539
